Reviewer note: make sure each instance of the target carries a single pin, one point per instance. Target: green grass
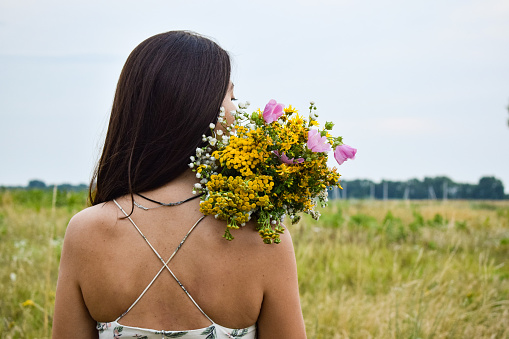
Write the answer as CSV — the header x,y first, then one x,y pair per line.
x,y
32,226
367,269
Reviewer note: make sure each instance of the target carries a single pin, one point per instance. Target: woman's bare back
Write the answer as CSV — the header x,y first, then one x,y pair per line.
x,y
213,270
237,283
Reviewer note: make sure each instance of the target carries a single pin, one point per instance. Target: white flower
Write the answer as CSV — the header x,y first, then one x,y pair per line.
x,y
247,104
192,158
191,165
198,175
219,132
212,126
212,159
273,222
198,186
199,151
311,102
203,181
12,276
213,141
221,111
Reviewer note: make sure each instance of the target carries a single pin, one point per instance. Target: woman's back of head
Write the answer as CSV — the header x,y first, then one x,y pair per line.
x,y
170,90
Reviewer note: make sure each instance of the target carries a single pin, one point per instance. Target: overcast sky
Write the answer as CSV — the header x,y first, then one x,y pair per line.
x,y
419,88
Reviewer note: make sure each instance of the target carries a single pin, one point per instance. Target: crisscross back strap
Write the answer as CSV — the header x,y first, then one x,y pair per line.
x,y
165,263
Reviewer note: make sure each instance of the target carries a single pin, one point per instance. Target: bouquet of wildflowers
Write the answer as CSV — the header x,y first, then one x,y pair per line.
x,y
266,166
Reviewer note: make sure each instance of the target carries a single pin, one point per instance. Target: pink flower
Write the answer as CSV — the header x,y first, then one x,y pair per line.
x,y
272,111
344,152
284,158
316,142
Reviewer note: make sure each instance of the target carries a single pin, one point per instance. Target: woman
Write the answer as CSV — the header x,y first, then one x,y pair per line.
x,y
143,261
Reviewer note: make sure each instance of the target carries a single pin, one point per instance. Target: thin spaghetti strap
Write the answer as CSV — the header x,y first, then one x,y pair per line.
x,y
165,264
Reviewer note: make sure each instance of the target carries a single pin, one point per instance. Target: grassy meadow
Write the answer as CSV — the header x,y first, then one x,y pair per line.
x,y
367,269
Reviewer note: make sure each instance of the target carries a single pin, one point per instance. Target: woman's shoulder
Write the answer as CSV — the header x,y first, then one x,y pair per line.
x,y
93,222
93,216
248,245
247,238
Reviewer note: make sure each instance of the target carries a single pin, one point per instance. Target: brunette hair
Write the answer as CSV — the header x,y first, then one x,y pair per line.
x,y
171,88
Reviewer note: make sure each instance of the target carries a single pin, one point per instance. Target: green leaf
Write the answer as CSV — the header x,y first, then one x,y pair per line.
x,y
175,334
210,332
239,333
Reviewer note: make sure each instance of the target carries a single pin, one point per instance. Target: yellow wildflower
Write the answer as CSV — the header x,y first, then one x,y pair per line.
x,y
28,302
290,109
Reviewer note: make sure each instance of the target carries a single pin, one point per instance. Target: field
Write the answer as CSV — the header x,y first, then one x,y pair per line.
x,y
367,269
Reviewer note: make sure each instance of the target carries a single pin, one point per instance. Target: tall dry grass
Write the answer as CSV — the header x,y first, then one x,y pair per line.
x,y
398,269
367,269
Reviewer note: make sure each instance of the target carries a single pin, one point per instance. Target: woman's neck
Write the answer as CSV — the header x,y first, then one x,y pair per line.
x,y
178,189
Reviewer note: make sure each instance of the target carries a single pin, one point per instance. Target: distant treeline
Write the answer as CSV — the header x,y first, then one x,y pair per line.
x,y
489,188
430,188
41,185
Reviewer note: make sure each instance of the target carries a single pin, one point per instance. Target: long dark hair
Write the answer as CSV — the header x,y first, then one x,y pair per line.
x,y
170,89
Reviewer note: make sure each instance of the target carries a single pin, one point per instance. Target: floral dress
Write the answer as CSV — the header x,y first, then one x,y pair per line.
x,y
113,330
